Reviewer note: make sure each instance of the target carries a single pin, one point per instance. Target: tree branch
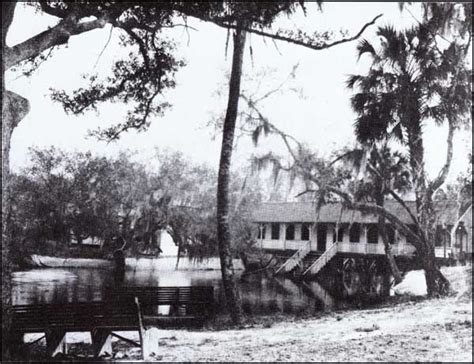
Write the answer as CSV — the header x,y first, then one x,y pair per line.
x,y
299,42
141,45
395,195
438,182
379,211
372,208
8,9
54,11
283,135
346,197
57,35
404,205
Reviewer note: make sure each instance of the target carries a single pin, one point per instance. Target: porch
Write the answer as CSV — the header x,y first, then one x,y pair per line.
x,y
343,247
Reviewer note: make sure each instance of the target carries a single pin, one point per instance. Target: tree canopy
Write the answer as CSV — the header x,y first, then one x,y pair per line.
x,y
70,197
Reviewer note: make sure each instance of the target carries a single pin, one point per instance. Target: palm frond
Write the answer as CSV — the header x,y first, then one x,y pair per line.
x,y
360,100
352,80
363,47
397,132
389,33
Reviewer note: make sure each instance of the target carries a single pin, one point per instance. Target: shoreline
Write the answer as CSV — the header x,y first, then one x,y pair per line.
x,y
408,331
404,328
185,263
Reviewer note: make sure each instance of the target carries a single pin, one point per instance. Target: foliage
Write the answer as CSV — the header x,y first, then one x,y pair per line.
x,y
410,80
63,197
142,78
383,171
139,81
460,190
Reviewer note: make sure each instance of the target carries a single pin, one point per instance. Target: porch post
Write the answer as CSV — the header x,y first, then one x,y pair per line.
x,y
101,342
56,342
444,240
283,234
364,235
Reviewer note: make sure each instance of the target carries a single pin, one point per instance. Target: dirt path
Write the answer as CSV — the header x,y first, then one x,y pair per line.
x,y
429,330
435,330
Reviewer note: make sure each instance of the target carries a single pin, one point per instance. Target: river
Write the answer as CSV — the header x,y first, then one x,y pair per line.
x,y
259,293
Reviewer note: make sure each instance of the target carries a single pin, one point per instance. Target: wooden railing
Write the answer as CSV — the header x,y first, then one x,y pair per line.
x,y
322,260
374,249
350,247
295,259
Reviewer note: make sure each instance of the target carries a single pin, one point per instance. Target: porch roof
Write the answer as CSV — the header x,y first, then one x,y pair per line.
x,y
293,212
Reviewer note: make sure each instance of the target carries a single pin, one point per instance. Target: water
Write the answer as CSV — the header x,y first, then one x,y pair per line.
x,y
259,294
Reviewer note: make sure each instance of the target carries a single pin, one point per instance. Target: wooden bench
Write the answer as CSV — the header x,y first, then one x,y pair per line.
x,y
125,309
188,306
55,320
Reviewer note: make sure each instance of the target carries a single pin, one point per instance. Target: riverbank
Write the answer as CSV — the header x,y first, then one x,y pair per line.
x,y
166,262
406,328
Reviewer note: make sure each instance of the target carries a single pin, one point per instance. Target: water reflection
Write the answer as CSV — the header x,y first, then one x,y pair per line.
x,y
259,293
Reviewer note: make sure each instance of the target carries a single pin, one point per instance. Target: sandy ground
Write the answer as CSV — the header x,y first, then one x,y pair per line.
x,y
419,330
427,331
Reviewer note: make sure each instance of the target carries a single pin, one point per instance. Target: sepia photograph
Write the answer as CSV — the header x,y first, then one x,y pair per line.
x,y
236,181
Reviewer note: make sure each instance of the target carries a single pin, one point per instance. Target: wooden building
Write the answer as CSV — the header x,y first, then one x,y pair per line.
x,y
291,227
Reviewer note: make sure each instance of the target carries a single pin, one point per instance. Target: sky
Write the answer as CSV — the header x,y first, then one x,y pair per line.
x,y
319,114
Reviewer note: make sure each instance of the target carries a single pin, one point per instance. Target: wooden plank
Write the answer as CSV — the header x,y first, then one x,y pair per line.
x,y
118,312
141,328
134,343
56,342
101,342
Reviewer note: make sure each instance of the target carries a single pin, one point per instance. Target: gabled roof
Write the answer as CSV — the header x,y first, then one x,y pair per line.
x,y
334,212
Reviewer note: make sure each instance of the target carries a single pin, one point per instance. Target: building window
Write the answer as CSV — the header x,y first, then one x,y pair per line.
x,y
372,235
304,232
275,231
354,233
460,236
447,234
390,234
340,234
261,231
439,236
290,232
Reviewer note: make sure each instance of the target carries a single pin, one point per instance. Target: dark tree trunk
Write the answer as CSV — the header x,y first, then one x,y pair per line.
x,y
223,229
436,283
388,248
14,108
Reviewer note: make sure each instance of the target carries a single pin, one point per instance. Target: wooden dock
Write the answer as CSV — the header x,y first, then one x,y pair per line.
x,y
127,309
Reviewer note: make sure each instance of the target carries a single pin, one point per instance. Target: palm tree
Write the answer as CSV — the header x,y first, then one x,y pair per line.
x,y
386,174
410,82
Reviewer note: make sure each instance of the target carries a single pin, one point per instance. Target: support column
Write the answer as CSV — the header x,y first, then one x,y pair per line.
x,y
151,343
56,342
101,342
283,234
314,236
364,237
